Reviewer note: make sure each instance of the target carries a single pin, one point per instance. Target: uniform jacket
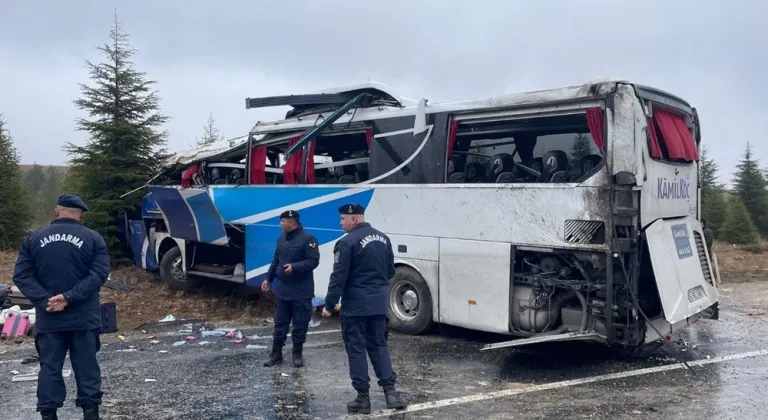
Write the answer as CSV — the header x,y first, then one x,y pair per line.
x,y
299,249
363,263
65,258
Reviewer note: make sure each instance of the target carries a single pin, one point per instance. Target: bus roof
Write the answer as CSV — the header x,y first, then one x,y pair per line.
x,y
594,88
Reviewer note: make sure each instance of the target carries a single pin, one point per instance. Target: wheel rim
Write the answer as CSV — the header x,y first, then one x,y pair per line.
x,y
177,272
405,301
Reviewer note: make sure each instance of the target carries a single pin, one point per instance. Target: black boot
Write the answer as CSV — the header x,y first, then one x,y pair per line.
x,y
361,404
394,399
298,359
49,415
90,412
276,357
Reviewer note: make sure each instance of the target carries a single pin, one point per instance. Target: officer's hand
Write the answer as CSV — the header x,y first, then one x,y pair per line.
x,y
326,313
288,269
264,286
56,304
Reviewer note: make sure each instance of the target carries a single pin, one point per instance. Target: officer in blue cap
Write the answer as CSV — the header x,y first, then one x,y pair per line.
x,y
363,263
296,257
60,269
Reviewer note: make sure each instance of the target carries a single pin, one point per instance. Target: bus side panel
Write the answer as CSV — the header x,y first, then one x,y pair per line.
x,y
141,246
475,283
319,217
676,248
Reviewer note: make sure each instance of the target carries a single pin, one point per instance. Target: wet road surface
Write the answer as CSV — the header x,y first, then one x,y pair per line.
x,y
443,376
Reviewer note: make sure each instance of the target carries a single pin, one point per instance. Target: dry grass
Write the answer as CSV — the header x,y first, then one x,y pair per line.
x,y
739,265
150,300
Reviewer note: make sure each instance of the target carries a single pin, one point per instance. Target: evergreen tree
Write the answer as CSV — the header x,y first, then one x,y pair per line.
x,y
34,179
749,185
713,204
14,207
738,227
211,134
581,147
125,146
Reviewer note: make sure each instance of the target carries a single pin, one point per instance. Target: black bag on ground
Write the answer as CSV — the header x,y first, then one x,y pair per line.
x,y
108,318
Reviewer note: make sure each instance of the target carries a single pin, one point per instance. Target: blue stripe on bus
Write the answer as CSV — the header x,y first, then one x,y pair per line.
x,y
236,203
321,220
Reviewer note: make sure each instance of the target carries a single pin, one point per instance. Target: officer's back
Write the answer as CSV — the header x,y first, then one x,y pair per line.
x,y
60,257
371,267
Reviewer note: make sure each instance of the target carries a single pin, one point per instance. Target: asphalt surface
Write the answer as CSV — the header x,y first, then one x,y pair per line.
x,y
443,375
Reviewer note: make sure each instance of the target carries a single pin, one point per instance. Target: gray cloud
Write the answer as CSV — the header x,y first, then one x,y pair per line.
x,y
208,58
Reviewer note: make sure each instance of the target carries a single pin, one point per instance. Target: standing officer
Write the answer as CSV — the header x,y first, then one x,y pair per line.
x,y
363,263
60,269
296,256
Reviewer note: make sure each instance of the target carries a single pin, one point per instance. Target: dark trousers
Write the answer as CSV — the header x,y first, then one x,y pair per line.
x,y
367,334
300,312
52,350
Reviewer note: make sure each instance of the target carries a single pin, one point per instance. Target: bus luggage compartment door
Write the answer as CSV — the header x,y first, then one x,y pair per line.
x,y
190,214
681,267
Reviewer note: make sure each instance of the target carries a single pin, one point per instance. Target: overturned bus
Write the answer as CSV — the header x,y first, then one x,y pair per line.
x,y
564,214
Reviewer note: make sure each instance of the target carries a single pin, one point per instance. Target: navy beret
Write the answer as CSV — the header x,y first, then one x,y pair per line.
x,y
72,202
289,214
352,209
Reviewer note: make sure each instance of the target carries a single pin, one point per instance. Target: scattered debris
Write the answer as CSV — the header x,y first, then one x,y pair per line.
x,y
117,286
285,375
150,380
314,323
154,341
202,343
255,346
190,338
121,337
178,343
755,313
28,360
163,351
14,372
168,318
28,377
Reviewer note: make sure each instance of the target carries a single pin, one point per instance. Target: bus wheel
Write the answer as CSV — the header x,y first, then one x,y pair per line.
x,y
410,303
172,273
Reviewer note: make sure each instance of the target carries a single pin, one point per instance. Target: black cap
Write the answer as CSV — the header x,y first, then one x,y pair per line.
x,y
72,202
352,209
290,214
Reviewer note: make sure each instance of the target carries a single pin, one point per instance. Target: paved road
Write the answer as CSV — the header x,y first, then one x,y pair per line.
x,y
444,376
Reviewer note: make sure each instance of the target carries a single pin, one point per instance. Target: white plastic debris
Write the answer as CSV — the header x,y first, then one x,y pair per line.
x,y
150,380
314,323
284,374
179,343
255,346
163,351
202,343
168,318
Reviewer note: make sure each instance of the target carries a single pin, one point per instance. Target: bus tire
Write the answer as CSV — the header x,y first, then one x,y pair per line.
x,y
172,273
409,302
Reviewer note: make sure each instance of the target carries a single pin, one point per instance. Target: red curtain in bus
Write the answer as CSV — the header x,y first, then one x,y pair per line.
x,y
258,163
369,137
453,129
190,173
290,173
596,123
676,136
655,145
310,164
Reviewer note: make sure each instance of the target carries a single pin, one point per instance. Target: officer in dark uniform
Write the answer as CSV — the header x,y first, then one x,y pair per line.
x,y
60,269
296,256
363,263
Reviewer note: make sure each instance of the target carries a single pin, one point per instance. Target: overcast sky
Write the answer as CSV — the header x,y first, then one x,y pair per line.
x,y
208,57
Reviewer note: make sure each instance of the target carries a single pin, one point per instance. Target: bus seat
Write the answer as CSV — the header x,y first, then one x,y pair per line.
x,y
476,172
457,178
506,178
502,162
555,161
590,162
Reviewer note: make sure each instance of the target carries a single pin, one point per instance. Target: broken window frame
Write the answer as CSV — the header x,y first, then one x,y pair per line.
x,y
581,108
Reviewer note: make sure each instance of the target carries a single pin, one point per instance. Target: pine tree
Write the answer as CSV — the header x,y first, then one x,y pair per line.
x,y
713,204
14,207
211,134
750,186
738,227
581,147
34,179
126,145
